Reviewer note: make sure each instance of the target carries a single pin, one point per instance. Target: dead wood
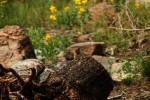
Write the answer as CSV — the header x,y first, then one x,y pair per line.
x,y
82,79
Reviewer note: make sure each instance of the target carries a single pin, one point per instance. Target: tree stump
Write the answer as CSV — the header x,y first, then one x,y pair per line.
x,y
88,77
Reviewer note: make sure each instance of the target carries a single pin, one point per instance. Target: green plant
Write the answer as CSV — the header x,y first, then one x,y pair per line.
x,y
135,68
128,80
74,15
48,49
112,38
141,66
146,68
2,7
127,67
25,13
118,4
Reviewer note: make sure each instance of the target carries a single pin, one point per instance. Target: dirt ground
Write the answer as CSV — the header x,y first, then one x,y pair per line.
x,y
138,90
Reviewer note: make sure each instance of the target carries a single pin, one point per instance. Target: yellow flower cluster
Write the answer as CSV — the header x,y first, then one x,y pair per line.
x,y
53,9
48,37
81,10
80,2
66,9
53,17
84,2
137,5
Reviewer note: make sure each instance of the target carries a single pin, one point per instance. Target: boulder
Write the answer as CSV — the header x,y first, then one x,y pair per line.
x,y
23,67
15,45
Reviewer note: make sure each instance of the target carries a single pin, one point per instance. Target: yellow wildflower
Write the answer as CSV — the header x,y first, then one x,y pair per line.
x,y
66,9
84,2
53,17
48,37
137,5
81,10
78,2
53,9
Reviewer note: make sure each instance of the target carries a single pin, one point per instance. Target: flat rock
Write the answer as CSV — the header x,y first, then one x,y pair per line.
x,y
105,61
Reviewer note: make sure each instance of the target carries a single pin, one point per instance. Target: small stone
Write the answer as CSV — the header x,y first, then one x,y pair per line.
x,y
61,56
43,77
60,65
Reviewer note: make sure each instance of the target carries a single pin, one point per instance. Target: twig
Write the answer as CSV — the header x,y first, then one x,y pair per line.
x,y
119,21
124,29
128,15
115,97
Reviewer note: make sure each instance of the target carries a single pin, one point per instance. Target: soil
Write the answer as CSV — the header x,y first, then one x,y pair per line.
x,y
138,90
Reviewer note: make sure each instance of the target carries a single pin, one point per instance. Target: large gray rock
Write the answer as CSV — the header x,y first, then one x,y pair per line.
x,y
23,67
15,45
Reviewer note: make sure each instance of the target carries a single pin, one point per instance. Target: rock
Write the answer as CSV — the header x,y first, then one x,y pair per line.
x,y
88,48
105,61
61,56
112,50
44,76
60,65
23,67
118,73
88,77
15,45
38,54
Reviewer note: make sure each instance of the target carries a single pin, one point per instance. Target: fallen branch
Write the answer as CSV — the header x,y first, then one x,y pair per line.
x,y
124,29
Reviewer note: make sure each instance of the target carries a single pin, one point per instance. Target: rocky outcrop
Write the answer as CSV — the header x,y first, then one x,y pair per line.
x,y
15,45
